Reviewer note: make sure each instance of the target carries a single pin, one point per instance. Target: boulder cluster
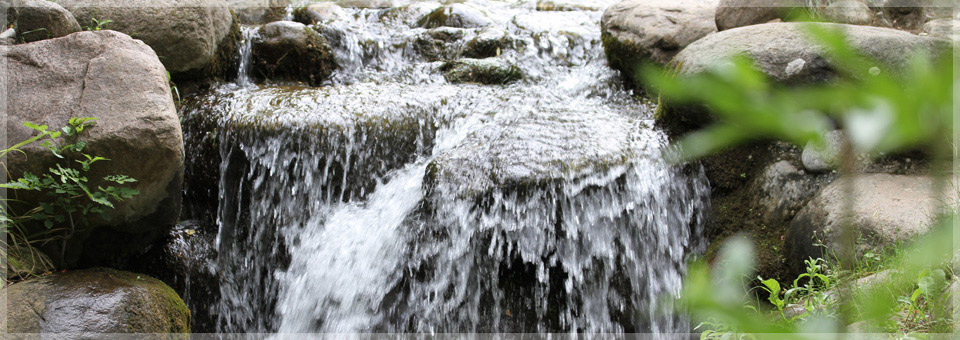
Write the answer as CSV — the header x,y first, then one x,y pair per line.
x,y
113,61
790,197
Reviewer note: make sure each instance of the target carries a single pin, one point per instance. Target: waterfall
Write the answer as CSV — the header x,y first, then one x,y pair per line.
x,y
247,34
395,201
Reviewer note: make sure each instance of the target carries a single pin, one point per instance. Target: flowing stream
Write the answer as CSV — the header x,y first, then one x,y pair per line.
x,y
390,200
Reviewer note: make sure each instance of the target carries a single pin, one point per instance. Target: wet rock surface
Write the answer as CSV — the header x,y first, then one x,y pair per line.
x,y
489,71
38,20
287,50
120,81
185,260
322,210
91,302
530,150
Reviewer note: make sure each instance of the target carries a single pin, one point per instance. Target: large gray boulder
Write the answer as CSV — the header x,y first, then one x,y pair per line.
x,y
886,209
92,302
119,80
739,13
187,35
292,51
784,52
638,31
42,19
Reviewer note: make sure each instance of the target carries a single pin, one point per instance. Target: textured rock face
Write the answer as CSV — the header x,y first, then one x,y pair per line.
x,y
638,31
91,302
42,19
886,209
569,5
186,35
739,13
258,11
824,157
786,54
943,28
456,15
848,12
291,50
488,71
366,3
320,12
782,190
120,81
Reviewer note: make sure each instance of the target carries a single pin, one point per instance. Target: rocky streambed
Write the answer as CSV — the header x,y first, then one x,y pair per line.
x,y
411,166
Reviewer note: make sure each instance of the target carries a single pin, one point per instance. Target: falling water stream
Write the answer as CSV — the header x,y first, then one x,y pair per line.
x,y
390,200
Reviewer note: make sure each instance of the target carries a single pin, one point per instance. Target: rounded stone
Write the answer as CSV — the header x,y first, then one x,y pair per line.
x,y
42,19
290,50
120,81
92,302
186,34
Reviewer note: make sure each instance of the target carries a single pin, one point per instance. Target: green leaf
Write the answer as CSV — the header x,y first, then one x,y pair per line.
x,y
41,128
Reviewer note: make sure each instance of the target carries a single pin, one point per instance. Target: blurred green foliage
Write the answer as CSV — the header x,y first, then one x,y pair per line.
x,y
882,111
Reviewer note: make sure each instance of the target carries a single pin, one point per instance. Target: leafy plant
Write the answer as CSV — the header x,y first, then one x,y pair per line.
x,y
70,198
97,25
882,111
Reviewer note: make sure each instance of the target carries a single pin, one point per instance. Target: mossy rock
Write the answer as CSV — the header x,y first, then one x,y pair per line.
x,y
287,50
94,301
489,71
490,42
456,15
390,124
24,261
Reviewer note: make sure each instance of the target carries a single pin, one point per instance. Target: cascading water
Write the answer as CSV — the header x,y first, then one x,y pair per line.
x,y
390,200
246,53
